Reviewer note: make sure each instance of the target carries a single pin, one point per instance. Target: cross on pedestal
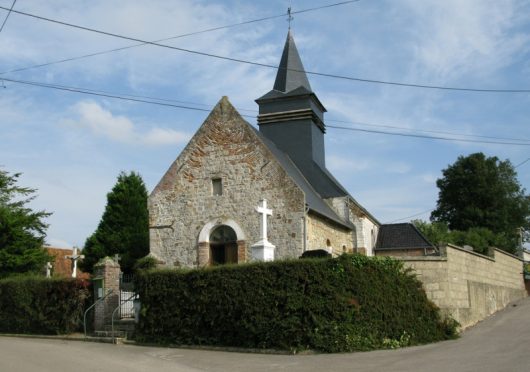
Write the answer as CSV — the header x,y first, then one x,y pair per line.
x,y
74,257
263,250
264,211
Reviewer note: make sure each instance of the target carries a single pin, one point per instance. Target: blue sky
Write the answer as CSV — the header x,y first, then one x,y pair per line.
x,y
71,146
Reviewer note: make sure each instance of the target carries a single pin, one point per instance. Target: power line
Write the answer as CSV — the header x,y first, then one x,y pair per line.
x,y
427,137
414,215
518,165
238,60
160,102
7,16
95,93
175,37
427,131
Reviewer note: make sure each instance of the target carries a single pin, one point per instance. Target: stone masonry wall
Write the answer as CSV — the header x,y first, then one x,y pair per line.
x,y
319,230
225,147
366,229
467,285
109,271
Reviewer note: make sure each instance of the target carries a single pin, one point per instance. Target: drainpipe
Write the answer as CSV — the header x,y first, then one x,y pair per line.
x,y
304,218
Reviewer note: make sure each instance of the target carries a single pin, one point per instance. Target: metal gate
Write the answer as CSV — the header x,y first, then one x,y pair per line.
x,y
127,296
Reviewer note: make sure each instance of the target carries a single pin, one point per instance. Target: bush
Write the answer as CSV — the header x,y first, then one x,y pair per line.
x,y
317,253
145,263
30,304
349,303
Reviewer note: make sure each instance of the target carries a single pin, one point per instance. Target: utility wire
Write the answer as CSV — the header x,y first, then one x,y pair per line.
x,y
7,16
156,101
427,131
427,137
175,37
151,99
108,95
414,215
518,165
424,86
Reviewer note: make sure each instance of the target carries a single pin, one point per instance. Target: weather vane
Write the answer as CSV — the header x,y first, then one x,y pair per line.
x,y
289,16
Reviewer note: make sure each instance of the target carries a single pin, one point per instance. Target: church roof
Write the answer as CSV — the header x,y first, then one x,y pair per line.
x,y
291,73
401,236
314,200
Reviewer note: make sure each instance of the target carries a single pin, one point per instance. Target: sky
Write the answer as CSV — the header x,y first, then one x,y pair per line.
x,y
72,146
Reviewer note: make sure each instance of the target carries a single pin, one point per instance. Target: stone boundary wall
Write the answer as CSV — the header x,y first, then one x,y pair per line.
x,y
467,285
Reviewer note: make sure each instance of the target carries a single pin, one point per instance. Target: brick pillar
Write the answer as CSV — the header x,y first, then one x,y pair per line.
x,y
108,271
203,258
241,251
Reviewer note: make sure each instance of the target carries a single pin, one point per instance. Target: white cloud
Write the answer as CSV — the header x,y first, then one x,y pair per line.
x,y
119,128
346,165
457,37
58,243
160,136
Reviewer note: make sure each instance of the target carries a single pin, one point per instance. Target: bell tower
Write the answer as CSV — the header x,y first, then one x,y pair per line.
x,y
291,115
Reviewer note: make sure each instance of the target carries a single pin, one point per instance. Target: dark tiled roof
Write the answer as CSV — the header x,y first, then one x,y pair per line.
x,y
291,73
401,236
313,199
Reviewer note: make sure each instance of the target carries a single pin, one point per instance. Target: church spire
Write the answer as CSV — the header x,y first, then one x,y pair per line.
x,y
291,73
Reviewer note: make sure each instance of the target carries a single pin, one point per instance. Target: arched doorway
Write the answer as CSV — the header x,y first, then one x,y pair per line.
x,y
223,245
229,232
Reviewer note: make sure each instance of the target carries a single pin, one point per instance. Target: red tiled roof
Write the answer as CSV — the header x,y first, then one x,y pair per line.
x,y
62,266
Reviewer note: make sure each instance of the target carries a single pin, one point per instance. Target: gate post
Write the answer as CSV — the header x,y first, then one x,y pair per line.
x,y
107,275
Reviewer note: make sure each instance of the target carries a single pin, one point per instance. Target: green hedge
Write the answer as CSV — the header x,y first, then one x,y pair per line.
x,y
42,306
349,303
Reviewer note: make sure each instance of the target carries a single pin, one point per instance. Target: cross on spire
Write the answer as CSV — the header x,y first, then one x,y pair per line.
x,y
289,16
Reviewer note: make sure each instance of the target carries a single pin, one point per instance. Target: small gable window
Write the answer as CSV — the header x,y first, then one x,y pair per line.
x,y
217,186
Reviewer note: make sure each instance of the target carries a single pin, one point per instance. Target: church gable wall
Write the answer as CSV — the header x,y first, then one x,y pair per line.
x,y
366,230
224,148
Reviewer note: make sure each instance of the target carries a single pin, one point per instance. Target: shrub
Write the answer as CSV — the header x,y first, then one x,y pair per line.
x,y
349,303
145,263
30,304
317,253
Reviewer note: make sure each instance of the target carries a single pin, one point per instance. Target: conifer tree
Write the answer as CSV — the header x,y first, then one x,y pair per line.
x,y
123,228
22,230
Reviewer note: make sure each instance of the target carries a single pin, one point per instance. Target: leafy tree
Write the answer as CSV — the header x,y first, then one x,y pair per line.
x,y
483,192
479,238
22,230
123,228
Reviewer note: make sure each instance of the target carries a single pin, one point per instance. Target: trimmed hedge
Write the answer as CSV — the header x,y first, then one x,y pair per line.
x,y
349,303
42,306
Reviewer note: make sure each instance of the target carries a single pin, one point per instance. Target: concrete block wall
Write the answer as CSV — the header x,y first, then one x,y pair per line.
x,y
467,285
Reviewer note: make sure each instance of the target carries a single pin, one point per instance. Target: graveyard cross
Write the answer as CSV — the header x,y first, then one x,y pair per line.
x,y
264,211
74,257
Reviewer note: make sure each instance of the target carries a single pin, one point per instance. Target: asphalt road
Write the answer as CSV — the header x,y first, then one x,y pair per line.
x,y
500,343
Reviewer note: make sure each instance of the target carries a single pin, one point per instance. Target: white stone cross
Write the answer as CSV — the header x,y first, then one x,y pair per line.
x,y
263,250
74,257
264,211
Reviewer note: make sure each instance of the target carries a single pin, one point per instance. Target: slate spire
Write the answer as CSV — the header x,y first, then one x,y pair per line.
x,y
291,73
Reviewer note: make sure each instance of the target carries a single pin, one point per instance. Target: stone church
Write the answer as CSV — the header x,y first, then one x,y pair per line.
x,y
203,210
